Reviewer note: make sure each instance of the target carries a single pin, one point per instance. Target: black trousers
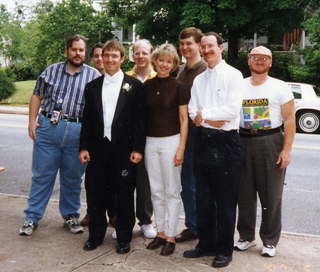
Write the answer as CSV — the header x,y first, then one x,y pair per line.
x,y
110,183
144,209
218,160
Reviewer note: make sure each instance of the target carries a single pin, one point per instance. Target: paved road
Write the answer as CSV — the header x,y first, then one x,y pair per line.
x,y
301,205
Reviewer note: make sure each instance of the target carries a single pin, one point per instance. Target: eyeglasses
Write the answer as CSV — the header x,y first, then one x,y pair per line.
x,y
259,58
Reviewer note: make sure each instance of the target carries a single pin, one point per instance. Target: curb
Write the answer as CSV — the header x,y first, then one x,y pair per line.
x,y
14,110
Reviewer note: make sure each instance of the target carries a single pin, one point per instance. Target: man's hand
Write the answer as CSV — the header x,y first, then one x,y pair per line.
x,y
178,158
84,156
284,159
32,129
216,124
135,157
198,119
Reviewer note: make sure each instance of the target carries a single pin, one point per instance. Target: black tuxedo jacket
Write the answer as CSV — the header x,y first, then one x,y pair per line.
x,y
128,126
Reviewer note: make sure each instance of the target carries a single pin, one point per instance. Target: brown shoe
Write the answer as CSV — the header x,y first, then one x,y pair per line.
x,y
85,221
156,243
186,235
168,249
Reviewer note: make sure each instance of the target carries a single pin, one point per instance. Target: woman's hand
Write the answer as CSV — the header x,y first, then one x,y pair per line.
x,y
178,158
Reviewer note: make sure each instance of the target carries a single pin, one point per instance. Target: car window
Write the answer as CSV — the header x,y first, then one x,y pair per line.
x,y
296,90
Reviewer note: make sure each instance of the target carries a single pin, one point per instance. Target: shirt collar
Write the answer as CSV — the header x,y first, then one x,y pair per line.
x,y
217,68
65,69
134,74
114,78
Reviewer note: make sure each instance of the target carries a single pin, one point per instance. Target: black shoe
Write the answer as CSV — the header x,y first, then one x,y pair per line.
x,y
197,253
186,235
168,249
89,245
123,248
156,243
221,261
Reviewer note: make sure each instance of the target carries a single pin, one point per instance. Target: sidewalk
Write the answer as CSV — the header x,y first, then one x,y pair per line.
x,y
14,109
53,249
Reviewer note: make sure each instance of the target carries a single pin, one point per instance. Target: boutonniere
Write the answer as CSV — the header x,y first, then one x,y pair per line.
x,y
126,88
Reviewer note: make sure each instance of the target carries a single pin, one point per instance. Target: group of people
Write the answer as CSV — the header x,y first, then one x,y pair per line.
x,y
197,132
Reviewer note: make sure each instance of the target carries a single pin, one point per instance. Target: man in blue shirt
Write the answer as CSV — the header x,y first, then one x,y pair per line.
x,y
58,95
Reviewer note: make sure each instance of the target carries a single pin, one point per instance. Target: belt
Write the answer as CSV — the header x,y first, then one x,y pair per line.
x,y
211,131
63,117
245,132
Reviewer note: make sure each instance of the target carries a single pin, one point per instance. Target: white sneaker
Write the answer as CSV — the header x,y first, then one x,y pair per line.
x,y
28,228
114,235
243,245
268,251
148,231
72,223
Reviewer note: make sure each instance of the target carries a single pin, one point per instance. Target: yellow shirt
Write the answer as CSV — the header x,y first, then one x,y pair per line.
x,y
134,74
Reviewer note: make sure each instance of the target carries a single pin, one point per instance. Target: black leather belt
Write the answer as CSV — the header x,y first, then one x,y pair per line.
x,y
211,131
245,132
63,117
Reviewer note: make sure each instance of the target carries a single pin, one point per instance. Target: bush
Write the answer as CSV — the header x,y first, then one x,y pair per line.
x,y
21,71
7,87
310,72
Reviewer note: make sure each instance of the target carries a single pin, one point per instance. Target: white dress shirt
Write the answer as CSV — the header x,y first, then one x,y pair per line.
x,y
110,93
217,93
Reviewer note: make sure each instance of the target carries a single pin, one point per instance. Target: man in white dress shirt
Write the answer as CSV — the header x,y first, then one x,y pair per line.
x,y
214,107
112,142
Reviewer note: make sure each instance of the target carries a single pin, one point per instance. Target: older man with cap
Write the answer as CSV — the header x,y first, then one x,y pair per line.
x,y
267,130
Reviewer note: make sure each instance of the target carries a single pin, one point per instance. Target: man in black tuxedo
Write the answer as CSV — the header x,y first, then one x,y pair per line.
x,y
112,142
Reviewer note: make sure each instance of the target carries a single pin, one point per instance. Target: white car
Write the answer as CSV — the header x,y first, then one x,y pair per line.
x,y
307,105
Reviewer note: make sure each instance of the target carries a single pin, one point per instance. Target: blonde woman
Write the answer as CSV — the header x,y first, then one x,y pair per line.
x,y
167,128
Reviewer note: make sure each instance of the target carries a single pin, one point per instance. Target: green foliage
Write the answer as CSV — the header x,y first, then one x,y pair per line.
x,y
127,65
310,72
161,21
31,45
7,87
67,18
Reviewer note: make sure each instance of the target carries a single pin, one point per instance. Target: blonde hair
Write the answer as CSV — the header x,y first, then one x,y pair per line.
x,y
166,49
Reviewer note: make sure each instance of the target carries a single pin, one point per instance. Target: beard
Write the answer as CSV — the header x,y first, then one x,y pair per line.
x,y
75,64
260,71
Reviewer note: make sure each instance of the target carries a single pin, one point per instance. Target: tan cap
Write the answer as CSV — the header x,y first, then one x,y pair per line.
x,y
260,50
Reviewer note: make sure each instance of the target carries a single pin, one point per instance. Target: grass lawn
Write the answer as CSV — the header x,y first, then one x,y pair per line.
x,y
22,95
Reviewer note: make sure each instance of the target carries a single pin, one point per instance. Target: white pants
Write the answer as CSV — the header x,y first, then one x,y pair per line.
x,y
165,181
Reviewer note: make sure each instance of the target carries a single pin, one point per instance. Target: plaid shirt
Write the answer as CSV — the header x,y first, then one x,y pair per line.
x,y
63,91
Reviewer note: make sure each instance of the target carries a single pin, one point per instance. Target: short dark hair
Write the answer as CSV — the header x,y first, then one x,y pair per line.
x,y
218,37
97,45
114,45
75,38
194,32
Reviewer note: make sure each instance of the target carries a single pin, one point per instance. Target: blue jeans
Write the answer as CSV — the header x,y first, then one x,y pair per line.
x,y
56,148
188,181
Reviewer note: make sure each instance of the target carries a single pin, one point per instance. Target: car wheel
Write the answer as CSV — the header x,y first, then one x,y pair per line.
x,y
308,122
